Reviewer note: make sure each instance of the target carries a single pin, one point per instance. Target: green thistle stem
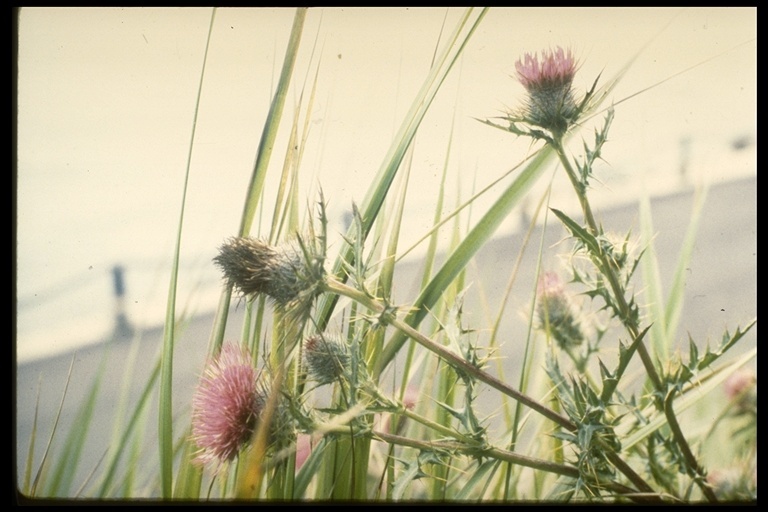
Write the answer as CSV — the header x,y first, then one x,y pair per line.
x,y
694,470
605,267
333,286
502,455
630,324
497,453
404,411
436,426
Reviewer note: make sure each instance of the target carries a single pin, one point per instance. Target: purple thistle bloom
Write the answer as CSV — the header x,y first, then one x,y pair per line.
x,y
226,405
557,68
741,390
739,383
548,82
738,483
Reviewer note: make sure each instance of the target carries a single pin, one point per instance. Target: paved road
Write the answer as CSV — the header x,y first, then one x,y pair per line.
x,y
720,292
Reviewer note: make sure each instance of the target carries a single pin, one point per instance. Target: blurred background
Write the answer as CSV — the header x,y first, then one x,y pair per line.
x,y
106,100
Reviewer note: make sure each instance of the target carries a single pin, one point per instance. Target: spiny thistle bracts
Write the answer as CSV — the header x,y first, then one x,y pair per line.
x,y
291,274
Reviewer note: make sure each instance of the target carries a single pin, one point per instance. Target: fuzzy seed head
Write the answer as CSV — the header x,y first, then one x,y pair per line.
x,y
254,267
226,405
327,356
548,81
555,311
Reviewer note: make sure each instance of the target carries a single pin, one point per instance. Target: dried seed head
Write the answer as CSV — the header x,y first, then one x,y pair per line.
x,y
327,357
255,267
555,311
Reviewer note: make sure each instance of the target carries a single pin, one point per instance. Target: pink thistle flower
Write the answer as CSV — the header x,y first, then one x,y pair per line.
x,y
226,405
550,286
739,383
410,399
303,449
741,390
557,68
736,483
548,82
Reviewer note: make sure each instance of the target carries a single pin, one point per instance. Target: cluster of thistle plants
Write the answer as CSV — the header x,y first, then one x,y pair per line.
x,y
586,414
303,405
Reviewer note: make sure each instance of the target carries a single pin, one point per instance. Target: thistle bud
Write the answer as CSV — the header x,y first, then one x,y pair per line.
x,y
556,313
326,356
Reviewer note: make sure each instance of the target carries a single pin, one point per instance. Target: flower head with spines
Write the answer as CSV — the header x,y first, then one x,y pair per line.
x,y
227,405
549,80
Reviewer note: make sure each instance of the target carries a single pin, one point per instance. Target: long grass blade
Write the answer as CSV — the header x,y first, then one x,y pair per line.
x,y
165,416
374,199
290,213
309,469
429,259
652,281
479,477
674,305
130,426
386,274
33,489
505,299
62,477
666,313
88,478
475,239
375,196
272,123
189,476
31,451
281,202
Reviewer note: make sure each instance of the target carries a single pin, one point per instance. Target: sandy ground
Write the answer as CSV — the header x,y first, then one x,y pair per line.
x,y
720,293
